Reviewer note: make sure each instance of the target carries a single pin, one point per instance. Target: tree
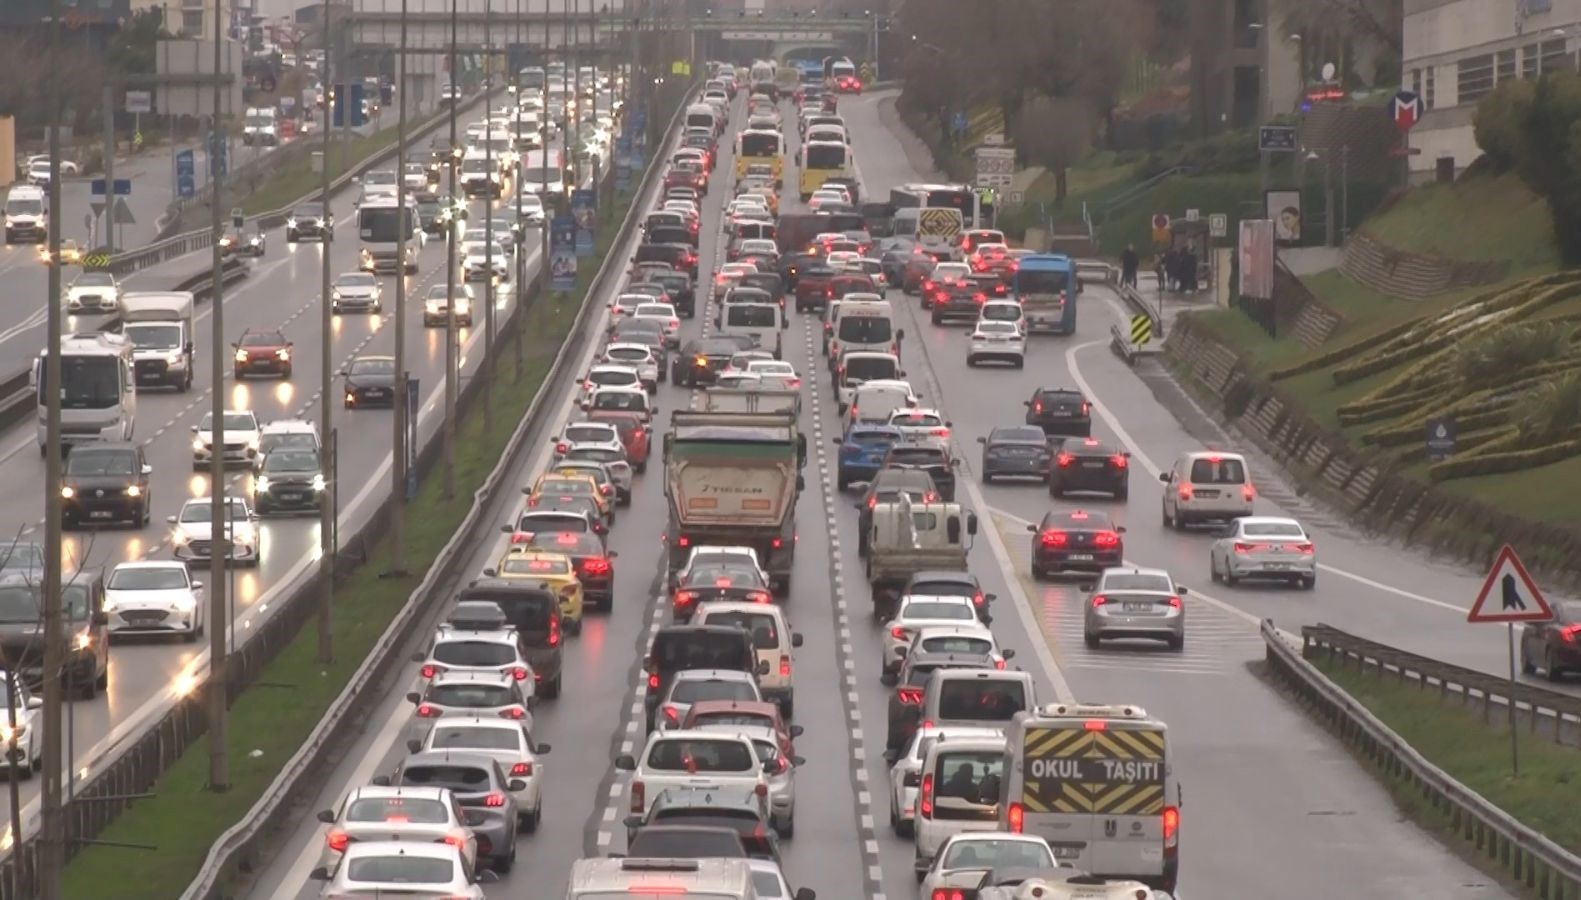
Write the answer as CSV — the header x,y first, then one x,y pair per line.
x,y
134,49
1501,122
1054,134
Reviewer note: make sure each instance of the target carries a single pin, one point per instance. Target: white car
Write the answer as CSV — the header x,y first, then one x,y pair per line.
x,y
722,554
415,175
1264,547
639,357
737,381
664,314
776,373
509,743
779,770
588,434
93,292
1205,485
623,399
960,862
997,341
843,260
905,776
473,693
692,758
430,815
920,424
436,306
295,433
973,638
193,535
154,597
480,263
529,208
359,291
378,183
729,275
741,363
382,868
26,735
918,611
874,270
613,376
626,304
1003,311
238,443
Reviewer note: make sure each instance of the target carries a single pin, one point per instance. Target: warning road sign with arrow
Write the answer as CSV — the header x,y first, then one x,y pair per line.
x,y
1509,594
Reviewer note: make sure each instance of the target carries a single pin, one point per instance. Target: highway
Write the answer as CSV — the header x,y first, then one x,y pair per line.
x,y
282,292
1269,798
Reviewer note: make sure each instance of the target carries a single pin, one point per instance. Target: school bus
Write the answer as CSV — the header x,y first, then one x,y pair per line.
x,y
756,147
822,160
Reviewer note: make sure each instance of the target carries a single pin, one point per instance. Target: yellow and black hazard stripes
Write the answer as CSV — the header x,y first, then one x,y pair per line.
x,y
1078,770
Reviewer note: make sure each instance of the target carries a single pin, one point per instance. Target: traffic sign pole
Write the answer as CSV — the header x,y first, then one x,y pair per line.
x,y
1519,600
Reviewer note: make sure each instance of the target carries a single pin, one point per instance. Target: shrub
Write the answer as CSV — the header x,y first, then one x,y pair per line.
x,y
1506,351
1551,410
1500,123
1511,461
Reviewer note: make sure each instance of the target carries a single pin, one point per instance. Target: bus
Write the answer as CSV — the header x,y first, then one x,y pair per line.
x,y
391,235
1046,286
98,392
822,160
761,147
955,196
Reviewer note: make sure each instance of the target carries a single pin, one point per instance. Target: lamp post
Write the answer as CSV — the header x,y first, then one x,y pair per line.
x,y
448,444
398,454
221,522
324,623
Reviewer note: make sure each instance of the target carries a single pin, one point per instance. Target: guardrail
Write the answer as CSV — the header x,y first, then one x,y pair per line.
x,y
1544,867
1120,339
238,848
1553,710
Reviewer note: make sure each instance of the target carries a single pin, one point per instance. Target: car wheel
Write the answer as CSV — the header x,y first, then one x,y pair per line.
x,y
503,864
1055,490
1230,578
788,708
1177,643
1213,569
1308,582
1091,640
26,771
971,361
1526,661
88,689
988,477
1037,573
551,689
788,829
1551,669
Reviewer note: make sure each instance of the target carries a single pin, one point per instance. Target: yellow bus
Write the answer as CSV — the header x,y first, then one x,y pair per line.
x,y
757,147
821,160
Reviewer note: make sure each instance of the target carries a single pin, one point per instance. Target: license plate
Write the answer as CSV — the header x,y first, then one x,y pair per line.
x,y
1276,565
291,497
1080,557
1067,851
1093,464
1136,607
99,514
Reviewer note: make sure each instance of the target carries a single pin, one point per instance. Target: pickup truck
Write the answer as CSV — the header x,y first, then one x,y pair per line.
x,y
906,537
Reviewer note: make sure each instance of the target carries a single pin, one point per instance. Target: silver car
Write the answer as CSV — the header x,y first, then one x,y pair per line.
x,y
696,685
376,867
1263,547
373,813
915,612
1132,602
508,743
470,692
959,864
358,291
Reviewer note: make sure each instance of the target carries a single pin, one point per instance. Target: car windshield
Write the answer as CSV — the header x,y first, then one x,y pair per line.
x,y
416,810
401,869
356,279
233,422
474,653
597,454
263,339
1006,327
577,434
94,279
153,336
1138,581
694,691
763,629
535,565
991,854
865,329
372,367
471,695
201,511
164,578
701,755
918,456
971,698
623,400
291,461
308,211
869,368
736,573
1218,470
926,609
89,462
958,643
298,439
445,738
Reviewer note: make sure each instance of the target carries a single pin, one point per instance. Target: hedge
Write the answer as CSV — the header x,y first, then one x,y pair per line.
x,y
1510,461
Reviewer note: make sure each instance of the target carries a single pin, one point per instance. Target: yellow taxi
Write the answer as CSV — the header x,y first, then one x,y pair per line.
x,y
558,484
554,570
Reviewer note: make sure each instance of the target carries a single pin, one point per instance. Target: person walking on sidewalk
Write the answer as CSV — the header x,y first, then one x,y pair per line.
x,y
1128,263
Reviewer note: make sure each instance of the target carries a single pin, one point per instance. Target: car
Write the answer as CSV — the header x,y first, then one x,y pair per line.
x,y
474,692
548,570
1132,602
694,685
664,314
154,597
309,220
1075,540
429,815
553,484
633,400
905,775
621,374
887,486
814,286
961,860
909,684
358,291
862,452
647,332
678,647
1092,466
1060,412
682,759
679,290
237,240
480,263
727,278
474,645
106,481
931,456
961,637
93,292
625,304
1003,311
1015,451
1553,646
70,253
507,743
996,341
586,433
638,357
192,538
727,715
611,461
240,437
701,823
27,732
529,208
370,868
775,374
915,612
718,579
952,583
1263,547
436,306
289,479
772,640
369,381
262,351
486,795
594,563
1206,485
702,359
298,434
918,424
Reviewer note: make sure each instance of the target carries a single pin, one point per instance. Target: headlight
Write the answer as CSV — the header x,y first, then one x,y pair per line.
x,y
318,482
262,484
133,491
252,443
68,491
8,733
241,355
180,536
199,444
321,223
283,353
334,295
82,641
290,223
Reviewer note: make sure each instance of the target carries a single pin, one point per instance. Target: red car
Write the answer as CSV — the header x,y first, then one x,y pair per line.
x,y
262,351
687,173
848,283
744,712
814,287
634,434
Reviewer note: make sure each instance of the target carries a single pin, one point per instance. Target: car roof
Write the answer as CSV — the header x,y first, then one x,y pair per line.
x,y
714,675
473,676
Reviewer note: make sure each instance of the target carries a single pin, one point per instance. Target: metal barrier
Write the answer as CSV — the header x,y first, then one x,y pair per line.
x,y
238,848
1544,867
1124,338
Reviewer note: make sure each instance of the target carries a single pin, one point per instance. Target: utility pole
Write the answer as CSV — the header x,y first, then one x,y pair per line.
x,y
109,167
519,271
219,509
448,445
402,384
329,461
488,216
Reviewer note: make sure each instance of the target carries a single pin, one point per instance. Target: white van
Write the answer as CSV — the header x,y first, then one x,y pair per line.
x,y
259,128
759,321
864,322
1205,485
702,115
856,367
772,641
26,214
959,792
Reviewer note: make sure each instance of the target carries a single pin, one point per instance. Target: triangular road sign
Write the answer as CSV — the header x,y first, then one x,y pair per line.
x,y
1509,594
98,207
123,213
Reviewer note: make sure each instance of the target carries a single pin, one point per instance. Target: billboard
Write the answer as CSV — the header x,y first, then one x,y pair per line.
x,y
1283,208
562,253
1256,250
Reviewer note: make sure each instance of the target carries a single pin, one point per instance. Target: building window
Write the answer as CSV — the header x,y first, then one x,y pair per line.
x,y
1530,54
1474,78
1506,66
1429,96
192,21
1554,57
1416,82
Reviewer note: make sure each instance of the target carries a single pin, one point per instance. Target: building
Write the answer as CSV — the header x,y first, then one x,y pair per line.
x,y
89,23
1457,51
190,18
1242,70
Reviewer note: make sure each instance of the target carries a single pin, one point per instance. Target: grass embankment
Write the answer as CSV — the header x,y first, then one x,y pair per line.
x,y
273,718
297,181
1454,738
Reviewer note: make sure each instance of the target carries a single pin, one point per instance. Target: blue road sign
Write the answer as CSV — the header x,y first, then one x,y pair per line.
x,y
355,95
123,187
562,252
584,209
186,178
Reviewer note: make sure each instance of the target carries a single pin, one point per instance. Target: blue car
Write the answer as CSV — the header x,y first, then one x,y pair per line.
x,y
862,451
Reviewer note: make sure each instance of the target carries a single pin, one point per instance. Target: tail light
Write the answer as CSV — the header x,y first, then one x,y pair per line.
x,y
430,670
554,632
776,544
1171,822
1570,632
563,446
1107,539
1305,547
684,598
1174,602
494,800
653,681
1098,600
1119,461
425,711
828,293
947,894
1016,817
338,840
1086,408
1184,490
1248,493
1055,539
1065,460
683,541
784,666
597,565
910,696
1037,406
605,489
513,712
898,633
759,597
925,797
999,664
454,840
672,715
1241,547
521,769
520,673
978,599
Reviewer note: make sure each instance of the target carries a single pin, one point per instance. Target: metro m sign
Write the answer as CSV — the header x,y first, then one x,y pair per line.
x,y
1406,109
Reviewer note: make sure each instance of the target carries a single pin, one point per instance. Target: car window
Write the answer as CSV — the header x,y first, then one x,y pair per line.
x,y
397,809
763,629
1217,470
401,869
957,643
473,653
698,690
1272,529
1078,520
1137,581
981,699
997,855
698,755
471,695
924,609
445,738
969,776
463,779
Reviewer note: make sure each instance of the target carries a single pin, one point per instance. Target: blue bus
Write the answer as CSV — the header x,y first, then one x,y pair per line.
x,y
1045,284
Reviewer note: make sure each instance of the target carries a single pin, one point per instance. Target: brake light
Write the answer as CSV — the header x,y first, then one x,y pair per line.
x,y
910,696
684,598
1241,547
597,565
1248,493
1119,461
1055,538
521,769
1037,406
925,797
1086,408
453,840
638,797
978,599
784,666
604,489
1065,460
513,712
338,840
1095,725
940,432
519,673
1171,822
1174,602
554,632
776,543
947,894
1016,816
672,715
430,670
759,597
683,541
1569,632
897,633
425,711
562,446
1185,490
1099,600
1106,539
653,681
1299,548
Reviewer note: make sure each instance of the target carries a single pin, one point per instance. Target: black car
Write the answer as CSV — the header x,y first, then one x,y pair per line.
x,y
951,583
887,487
370,381
533,609
956,300
671,234
1060,411
678,256
1551,645
686,842
595,567
905,701
1088,464
1020,451
430,214
238,241
681,291
105,482
932,457
290,479
792,265
86,666
308,220
769,282
645,331
717,582
1075,539
702,359
677,648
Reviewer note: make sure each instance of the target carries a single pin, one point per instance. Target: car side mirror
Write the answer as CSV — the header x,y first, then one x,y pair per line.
x,y
516,784
1085,587
194,429
490,572
626,762
797,760
971,524
983,441
1008,654
381,780
1164,477
1119,529
507,529
1182,590
1032,528
414,697
170,519
796,639
889,679
320,874
796,731
147,469
801,482
989,598
1027,403
632,822
327,816
414,745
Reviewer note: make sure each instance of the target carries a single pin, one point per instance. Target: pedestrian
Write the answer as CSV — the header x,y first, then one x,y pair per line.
x,y
1188,271
1128,263
1171,269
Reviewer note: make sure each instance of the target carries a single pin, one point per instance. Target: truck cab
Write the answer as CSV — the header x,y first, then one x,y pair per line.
x,y
906,537
260,127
